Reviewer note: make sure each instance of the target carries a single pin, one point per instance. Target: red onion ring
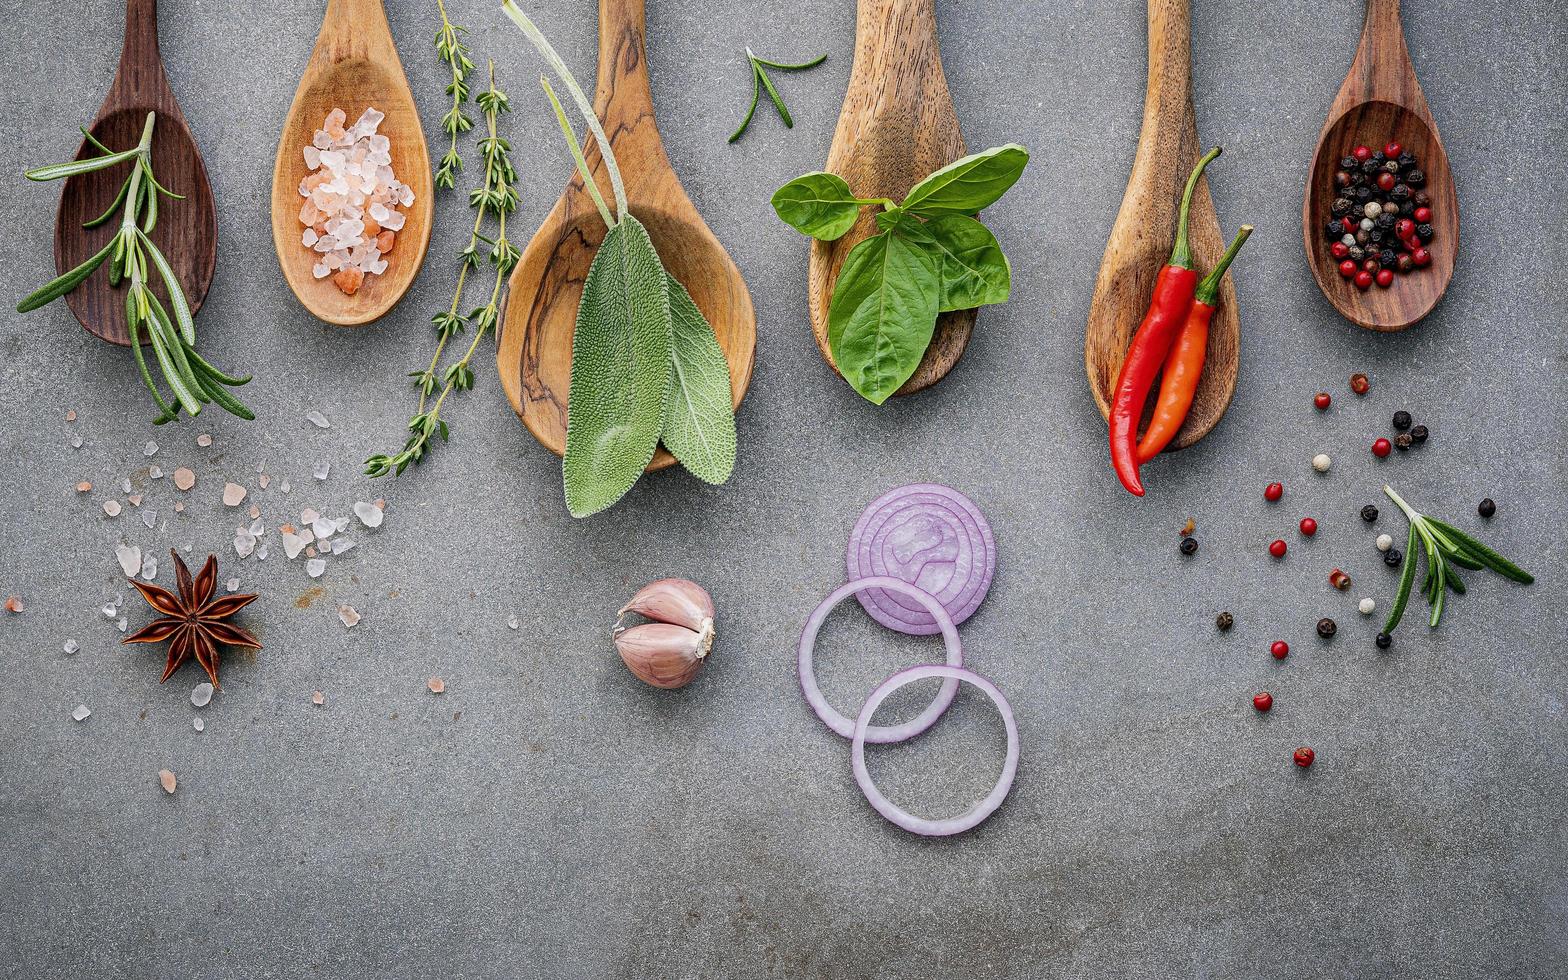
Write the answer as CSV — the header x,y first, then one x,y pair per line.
x,y
878,734
891,810
932,537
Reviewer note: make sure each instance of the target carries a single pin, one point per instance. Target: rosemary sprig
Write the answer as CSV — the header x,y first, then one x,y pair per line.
x,y
192,380
1446,547
496,198
452,50
760,81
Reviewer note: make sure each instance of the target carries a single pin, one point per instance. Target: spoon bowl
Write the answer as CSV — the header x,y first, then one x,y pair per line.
x,y
1381,101
354,67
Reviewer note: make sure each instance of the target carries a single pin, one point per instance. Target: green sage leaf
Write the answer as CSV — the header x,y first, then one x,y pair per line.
x,y
699,415
883,312
975,272
620,370
818,204
969,184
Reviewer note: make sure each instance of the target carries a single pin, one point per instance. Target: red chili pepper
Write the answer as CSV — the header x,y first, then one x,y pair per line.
x,y
1173,291
1184,364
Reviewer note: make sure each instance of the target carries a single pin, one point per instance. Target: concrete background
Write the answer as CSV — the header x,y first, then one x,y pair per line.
x,y
548,816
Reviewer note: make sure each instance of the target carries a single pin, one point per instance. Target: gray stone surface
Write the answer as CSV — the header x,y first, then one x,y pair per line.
x,y
550,817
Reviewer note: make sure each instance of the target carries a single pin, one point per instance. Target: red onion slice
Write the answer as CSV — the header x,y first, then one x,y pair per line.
x,y
929,536
878,734
891,810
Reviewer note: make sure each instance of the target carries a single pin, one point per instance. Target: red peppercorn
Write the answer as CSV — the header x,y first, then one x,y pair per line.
x,y
1361,153
1364,280
1392,150
1404,228
1321,400
1385,277
1359,383
1423,216
1304,757
1420,256
1339,249
1347,268
1309,527
1381,448
1263,700
1385,181
1273,492
1280,649
1277,549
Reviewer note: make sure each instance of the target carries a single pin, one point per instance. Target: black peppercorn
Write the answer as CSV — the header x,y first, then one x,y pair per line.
x,y
1376,236
1405,161
1378,156
1384,641
1400,192
1369,513
1486,508
1420,199
1189,546
1419,434
1387,258
1357,253
1392,557
1224,621
1416,178
1370,167
1391,166
1348,163
1401,420
1402,442
1384,220
1362,237
1361,194
1341,207
1326,627
1424,232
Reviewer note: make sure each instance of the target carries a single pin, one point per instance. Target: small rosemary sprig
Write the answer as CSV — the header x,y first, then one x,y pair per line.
x,y
760,81
497,198
193,381
1445,547
452,50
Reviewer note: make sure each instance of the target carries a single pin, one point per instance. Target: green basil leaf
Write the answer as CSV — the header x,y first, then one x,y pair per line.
x,y
969,184
883,313
620,370
699,415
974,270
817,204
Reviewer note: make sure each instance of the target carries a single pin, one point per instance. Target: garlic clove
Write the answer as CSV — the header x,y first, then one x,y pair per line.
x,y
673,600
664,654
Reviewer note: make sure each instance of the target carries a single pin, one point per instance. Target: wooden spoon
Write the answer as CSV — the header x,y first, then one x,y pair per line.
x,y
535,355
187,231
1145,230
354,67
1380,102
897,126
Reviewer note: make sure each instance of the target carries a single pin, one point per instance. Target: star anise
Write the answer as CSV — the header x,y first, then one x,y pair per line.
x,y
193,621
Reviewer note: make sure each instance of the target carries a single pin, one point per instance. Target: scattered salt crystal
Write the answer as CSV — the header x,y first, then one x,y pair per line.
x,y
186,547
125,485
110,609
310,552
244,542
341,545
151,450
265,480
233,493
293,544
318,420
121,623
204,440
436,685
81,713
201,694
232,585
70,415
309,515
83,487
254,511
179,507
13,604
198,724
316,697
323,528
135,499
261,467
150,518
154,473
112,508
184,478
350,617
167,781
322,469
261,551
315,567
369,514
130,557
71,646
149,567
285,486
512,623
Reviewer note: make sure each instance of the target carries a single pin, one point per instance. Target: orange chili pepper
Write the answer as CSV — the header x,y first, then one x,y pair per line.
x,y
1184,363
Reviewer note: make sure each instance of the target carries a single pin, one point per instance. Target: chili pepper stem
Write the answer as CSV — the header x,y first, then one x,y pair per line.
x,y
1181,254
1209,289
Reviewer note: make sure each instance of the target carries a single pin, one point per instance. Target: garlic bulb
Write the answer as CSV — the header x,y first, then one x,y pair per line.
x,y
667,652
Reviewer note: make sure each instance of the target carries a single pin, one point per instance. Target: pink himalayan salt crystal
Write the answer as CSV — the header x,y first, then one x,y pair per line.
x,y
184,478
204,440
84,486
167,781
135,499
351,196
318,698
179,507
436,685
13,604
112,508
70,416
233,493
254,512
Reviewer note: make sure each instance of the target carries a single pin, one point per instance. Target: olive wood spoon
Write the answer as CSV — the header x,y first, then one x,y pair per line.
x,y
353,67
535,353
896,127
1381,102
1145,229
186,232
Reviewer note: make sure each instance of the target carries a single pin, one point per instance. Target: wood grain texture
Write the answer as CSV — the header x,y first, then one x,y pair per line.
x,y
1145,230
1380,101
187,231
354,66
535,352
896,127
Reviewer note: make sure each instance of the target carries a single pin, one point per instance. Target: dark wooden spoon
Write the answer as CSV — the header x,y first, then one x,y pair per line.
x,y
187,231
1381,101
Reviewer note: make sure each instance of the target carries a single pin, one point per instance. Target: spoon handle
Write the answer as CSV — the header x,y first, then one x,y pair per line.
x,y
354,29
1382,70
139,80
623,63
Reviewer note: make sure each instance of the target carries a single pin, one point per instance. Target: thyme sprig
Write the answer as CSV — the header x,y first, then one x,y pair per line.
x,y
760,81
192,380
452,50
496,199
1446,547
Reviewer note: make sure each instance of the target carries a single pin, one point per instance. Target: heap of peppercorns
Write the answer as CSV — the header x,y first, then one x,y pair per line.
x,y
1381,219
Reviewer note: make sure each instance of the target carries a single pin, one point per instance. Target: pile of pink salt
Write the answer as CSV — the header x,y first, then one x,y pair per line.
x,y
352,198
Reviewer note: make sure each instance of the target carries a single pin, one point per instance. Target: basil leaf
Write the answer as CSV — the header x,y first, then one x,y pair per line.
x,y
974,270
883,313
969,184
817,204
699,417
620,370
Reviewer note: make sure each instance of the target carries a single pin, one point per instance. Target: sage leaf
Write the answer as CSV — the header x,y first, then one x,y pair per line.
x,y
883,313
818,204
969,184
699,418
974,270
620,370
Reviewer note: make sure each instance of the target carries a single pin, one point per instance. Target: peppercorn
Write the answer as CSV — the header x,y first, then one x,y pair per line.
x,y
1401,420
1423,216
1341,179
1385,220
1369,513
1385,278
1362,237
1340,207
1419,434
1415,178
1334,229
1309,527
1425,232
1405,263
1370,167
1356,252
1405,161
1224,621
1326,627
1378,156
1387,258
1421,257
1361,193
1370,265
1402,442
1392,557
1339,580
1273,492
1280,649
1322,400
1390,167
1401,192
1263,700
1375,238
1385,181
1277,548
1359,383
1384,641
1303,757
1421,199
1348,163
1189,546
1391,207
1363,280
1486,508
